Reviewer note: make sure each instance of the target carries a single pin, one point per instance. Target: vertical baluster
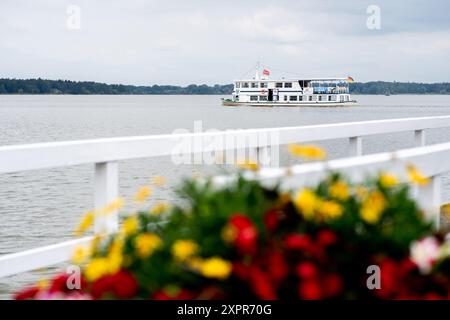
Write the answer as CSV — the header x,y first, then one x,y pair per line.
x,y
419,138
355,146
429,199
106,191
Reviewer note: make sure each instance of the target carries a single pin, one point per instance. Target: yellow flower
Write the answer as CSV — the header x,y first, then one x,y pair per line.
x,y
309,152
216,268
388,180
445,209
97,268
142,194
373,207
42,284
159,208
361,192
330,209
159,181
306,202
339,190
130,225
115,259
416,176
80,254
86,222
146,243
195,263
184,249
113,206
251,165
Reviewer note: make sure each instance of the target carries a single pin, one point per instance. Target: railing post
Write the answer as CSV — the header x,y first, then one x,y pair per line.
x,y
264,156
355,146
106,190
419,138
429,199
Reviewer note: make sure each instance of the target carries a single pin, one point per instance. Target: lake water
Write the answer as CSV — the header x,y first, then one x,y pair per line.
x,y
41,207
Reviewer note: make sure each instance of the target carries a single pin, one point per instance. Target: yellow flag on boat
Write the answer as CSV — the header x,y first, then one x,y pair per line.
x,y
350,79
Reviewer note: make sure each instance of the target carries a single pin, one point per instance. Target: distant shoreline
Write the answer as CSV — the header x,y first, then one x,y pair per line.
x,y
67,87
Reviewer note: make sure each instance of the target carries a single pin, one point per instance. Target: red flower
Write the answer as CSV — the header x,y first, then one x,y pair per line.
x,y
122,285
306,270
246,235
271,220
59,284
298,242
261,284
29,293
332,285
390,280
277,266
326,238
310,290
177,294
101,286
125,285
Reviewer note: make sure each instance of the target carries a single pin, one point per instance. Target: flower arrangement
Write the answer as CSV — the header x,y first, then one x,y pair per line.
x,y
249,241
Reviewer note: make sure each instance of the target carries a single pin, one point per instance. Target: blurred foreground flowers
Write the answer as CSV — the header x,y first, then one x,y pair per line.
x,y
247,241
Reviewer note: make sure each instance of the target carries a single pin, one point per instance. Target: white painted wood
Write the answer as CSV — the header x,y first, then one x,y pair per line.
x,y
431,160
429,199
419,138
58,154
106,191
355,144
39,257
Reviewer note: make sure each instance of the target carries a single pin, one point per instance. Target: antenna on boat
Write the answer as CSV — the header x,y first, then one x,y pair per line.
x,y
257,71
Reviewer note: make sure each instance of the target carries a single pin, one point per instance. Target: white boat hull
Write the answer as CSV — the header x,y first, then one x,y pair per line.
x,y
289,104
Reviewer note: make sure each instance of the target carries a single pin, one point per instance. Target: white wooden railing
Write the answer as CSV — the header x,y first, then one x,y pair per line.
x,y
105,154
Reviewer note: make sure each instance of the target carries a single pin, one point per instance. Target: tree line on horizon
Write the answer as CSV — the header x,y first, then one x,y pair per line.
x,y
43,86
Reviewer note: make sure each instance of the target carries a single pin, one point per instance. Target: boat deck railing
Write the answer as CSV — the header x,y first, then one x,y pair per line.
x,y
104,154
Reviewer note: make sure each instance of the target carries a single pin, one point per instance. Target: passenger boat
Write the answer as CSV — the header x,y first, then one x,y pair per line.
x,y
308,92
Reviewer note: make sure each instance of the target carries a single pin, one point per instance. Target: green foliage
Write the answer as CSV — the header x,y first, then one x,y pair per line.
x,y
44,86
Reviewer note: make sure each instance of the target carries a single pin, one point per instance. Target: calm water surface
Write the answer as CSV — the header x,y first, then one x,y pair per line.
x,y
41,207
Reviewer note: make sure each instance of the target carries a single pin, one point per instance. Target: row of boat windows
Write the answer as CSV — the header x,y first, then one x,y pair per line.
x,y
299,98
262,84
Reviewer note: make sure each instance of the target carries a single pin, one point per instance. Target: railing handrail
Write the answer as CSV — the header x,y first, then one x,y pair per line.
x,y
428,159
105,153
67,153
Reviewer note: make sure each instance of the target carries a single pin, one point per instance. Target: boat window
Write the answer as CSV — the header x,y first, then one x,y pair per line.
x,y
279,85
293,98
263,84
238,84
254,84
320,98
310,98
288,84
253,98
285,98
300,98
262,98
329,98
244,84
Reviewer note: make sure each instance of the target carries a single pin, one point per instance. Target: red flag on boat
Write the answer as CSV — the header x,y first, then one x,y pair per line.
x,y
266,72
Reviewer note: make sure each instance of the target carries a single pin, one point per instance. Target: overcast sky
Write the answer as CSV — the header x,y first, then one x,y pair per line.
x,y
210,41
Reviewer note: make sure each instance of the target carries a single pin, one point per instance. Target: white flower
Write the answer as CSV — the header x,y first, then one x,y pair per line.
x,y
424,253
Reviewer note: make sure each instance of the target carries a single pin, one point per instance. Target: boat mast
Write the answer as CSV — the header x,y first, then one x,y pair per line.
x,y
257,71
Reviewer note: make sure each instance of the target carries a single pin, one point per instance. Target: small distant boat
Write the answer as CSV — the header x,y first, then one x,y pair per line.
x,y
308,92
